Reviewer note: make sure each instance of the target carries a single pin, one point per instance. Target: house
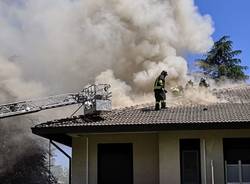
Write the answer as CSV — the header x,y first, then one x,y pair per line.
x,y
188,144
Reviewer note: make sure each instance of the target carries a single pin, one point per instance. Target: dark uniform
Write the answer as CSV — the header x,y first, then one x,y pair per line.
x,y
160,92
203,83
189,84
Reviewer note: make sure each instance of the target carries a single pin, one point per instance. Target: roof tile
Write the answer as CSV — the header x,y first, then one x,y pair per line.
x,y
236,108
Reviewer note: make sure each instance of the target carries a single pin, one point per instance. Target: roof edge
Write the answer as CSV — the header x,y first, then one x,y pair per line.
x,y
140,127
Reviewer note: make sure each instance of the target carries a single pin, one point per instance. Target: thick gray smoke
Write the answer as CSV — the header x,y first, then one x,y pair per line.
x,y
49,47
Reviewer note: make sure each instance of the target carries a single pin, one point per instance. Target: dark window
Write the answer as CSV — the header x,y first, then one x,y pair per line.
x,y
237,160
190,161
236,149
115,163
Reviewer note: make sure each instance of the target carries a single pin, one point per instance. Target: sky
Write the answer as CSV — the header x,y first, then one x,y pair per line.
x,y
231,18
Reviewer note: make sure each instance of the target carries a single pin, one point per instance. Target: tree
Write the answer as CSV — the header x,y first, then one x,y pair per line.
x,y
32,168
221,62
61,174
23,159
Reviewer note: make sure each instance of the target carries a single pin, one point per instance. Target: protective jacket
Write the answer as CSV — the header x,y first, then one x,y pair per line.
x,y
159,88
159,83
203,84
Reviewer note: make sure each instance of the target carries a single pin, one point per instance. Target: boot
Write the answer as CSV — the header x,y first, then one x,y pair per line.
x,y
157,106
163,105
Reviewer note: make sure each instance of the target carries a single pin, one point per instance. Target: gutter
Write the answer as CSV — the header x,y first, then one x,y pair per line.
x,y
87,160
205,161
89,128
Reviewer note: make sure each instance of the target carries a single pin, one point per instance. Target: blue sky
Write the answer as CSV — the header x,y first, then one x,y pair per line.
x,y
232,18
61,159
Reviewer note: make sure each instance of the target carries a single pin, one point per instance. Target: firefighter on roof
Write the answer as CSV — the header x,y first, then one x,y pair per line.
x,y
159,90
190,84
203,83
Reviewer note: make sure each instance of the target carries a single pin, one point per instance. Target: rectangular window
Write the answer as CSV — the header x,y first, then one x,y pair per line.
x,y
237,160
190,161
115,163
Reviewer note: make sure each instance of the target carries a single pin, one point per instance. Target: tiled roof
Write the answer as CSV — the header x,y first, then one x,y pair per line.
x,y
239,94
224,112
234,109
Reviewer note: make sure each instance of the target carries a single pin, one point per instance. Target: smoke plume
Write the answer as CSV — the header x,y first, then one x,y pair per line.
x,y
49,47
53,47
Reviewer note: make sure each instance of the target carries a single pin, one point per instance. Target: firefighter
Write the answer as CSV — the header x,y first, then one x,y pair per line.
x,y
160,91
203,83
190,84
177,91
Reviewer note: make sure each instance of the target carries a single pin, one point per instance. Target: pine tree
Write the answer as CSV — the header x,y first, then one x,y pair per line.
x,y
221,62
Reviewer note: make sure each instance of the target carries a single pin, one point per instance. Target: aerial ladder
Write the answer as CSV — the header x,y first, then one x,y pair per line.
x,y
94,99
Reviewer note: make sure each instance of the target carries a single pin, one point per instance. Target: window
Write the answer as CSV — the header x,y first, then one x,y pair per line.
x,y
237,160
190,161
115,163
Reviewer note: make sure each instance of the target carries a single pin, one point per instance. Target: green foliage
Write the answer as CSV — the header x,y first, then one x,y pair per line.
x,y
23,159
61,173
221,62
32,168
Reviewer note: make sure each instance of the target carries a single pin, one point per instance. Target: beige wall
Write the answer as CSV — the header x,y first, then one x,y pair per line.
x,y
78,160
156,155
211,149
145,156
